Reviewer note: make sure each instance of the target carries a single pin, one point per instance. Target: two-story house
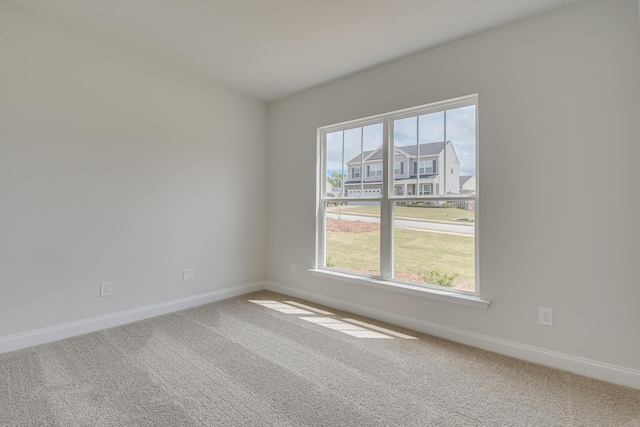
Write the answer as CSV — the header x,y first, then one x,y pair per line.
x,y
415,173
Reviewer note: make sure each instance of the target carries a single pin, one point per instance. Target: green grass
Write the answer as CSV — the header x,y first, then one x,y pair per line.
x,y
417,212
354,251
416,253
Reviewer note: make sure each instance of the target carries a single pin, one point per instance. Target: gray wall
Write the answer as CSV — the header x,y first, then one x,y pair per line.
x,y
114,167
557,92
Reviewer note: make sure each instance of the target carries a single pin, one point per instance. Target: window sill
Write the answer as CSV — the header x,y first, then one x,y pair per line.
x,y
441,295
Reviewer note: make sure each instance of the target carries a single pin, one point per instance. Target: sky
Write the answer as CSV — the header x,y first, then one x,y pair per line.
x,y
460,130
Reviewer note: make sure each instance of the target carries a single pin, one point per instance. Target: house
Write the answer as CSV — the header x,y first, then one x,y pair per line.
x,y
418,170
467,184
129,160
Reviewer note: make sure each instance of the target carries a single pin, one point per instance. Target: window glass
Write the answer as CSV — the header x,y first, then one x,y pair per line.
x,y
434,243
353,240
429,237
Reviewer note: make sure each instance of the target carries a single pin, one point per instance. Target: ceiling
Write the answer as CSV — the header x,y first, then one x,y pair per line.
x,y
270,49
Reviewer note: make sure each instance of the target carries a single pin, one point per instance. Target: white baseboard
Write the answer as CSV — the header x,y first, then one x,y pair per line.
x,y
590,368
67,330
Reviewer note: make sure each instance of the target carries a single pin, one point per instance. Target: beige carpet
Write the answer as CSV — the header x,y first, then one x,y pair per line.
x,y
254,361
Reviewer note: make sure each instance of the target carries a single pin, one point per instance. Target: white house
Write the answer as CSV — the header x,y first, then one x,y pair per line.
x,y
427,170
467,184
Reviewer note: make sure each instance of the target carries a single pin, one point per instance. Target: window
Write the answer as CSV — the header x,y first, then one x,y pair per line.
x,y
398,168
375,170
416,230
424,189
427,167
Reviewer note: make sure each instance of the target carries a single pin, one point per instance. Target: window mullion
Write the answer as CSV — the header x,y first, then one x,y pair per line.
x,y
443,174
362,168
321,208
418,159
386,208
342,166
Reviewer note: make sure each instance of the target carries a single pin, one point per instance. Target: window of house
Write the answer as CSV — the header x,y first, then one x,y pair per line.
x,y
424,189
398,168
419,230
375,170
356,172
427,167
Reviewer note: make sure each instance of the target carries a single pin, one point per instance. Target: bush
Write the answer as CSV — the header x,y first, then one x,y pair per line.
x,y
436,277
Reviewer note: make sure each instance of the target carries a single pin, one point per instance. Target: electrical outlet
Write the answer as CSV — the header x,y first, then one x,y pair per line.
x,y
105,289
293,268
545,316
189,274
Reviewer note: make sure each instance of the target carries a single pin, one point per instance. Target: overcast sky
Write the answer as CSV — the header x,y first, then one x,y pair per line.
x,y
460,129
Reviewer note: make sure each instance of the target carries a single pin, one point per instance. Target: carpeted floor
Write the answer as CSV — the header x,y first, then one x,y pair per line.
x,y
254,361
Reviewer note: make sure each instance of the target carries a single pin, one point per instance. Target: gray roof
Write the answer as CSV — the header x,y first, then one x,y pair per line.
x,y
427,149
357,159
427,176
465,178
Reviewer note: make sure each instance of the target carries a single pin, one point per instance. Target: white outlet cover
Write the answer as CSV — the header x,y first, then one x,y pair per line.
x,y
105,289
189,274
545,316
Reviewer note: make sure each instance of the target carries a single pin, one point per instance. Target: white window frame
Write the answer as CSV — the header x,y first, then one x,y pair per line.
x,y
356,172
387,201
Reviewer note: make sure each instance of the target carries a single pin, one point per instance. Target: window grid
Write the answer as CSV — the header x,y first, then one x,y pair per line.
x,y
391,193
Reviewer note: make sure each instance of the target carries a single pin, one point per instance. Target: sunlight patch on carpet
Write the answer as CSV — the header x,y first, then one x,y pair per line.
x,y
316,310
379,329
345,328
282,308
355,328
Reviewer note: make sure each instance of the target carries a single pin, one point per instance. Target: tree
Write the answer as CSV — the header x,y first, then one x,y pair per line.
x,y
335,179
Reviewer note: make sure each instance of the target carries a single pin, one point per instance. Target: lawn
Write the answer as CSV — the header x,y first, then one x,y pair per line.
x,y
411,212
416,252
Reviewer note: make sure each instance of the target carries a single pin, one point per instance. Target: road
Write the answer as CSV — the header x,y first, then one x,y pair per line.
x,y
443,227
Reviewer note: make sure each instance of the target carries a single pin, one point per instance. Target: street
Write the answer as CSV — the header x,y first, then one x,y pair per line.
x,y
413,224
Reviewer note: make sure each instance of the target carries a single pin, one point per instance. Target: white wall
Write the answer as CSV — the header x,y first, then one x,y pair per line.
x,y
563,87
114,167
